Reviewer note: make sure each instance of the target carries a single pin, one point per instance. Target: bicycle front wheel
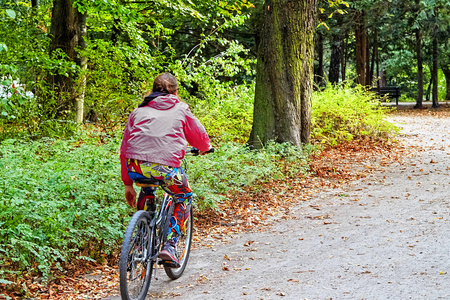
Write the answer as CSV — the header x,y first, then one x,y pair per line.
x,y
183,246
135,268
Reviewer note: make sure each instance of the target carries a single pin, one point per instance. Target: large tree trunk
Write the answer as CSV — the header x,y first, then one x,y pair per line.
x,y
64,32
284,80
446,71
361,47
419,68
335,59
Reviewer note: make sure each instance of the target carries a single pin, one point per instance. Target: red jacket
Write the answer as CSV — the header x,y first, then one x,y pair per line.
x,y
159,133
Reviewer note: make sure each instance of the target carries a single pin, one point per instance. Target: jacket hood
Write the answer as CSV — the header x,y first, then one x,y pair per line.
x,y
160,101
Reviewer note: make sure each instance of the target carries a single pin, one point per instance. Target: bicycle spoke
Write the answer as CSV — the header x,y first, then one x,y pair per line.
x,y
135,269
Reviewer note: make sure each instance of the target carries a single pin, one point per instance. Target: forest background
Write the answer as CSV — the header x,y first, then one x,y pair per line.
x,y
71,72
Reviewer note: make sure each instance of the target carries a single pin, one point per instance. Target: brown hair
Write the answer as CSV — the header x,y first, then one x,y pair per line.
x,y
165,83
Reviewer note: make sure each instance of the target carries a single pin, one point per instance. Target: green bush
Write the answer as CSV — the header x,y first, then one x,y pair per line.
x,y
344,113
58,198
226,112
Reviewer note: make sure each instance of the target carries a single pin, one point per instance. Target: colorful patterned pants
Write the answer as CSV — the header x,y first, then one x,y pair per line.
x,y
175,180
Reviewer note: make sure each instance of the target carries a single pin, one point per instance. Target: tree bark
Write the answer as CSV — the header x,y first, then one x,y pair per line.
x,y
335,59
368,76
430,84
360,47
419,68
344,58
64,32
284,80
376,56
446,71
318,73
82,62
434,75
374,59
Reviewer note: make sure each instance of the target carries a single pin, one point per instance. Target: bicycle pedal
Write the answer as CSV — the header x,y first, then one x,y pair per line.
x,y
169,264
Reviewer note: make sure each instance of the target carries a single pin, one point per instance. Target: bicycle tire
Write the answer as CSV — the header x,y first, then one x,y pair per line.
x,y
183,246
134,268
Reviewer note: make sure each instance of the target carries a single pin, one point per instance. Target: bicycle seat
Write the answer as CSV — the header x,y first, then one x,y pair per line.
x,y
146,182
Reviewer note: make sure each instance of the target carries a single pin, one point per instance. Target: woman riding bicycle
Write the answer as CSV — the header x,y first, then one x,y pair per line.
x,y
153,145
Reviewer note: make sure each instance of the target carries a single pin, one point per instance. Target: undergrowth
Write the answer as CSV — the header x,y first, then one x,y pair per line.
x,y
344,113
58,198
227,112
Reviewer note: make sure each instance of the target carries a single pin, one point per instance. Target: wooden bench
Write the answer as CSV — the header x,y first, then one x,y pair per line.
x,y
389,91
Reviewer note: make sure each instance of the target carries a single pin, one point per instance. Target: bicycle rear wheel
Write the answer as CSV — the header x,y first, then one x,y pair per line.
x,y
134,267
183,246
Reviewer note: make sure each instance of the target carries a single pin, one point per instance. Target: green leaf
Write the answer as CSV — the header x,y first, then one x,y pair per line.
x,y
3,47
11,13
3,281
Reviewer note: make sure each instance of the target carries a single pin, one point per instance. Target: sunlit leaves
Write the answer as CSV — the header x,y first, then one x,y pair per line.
x,y
344,113
11,13
333,7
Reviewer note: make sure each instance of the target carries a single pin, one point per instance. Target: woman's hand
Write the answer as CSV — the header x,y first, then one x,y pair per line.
x,y
130,195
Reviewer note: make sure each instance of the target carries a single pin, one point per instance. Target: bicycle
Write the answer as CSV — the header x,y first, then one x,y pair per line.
x,y
144,238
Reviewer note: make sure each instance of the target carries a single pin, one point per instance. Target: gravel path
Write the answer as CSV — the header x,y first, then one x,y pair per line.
x,y
385,236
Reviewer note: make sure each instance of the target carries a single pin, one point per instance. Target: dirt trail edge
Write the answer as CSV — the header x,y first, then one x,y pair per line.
x,y
385,236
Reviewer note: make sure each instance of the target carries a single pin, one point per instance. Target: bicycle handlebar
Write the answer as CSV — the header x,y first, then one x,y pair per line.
x,y
195,151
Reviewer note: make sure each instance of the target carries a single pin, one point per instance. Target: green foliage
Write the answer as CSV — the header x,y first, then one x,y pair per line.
x,y
226,111
58,198
344,113
116,76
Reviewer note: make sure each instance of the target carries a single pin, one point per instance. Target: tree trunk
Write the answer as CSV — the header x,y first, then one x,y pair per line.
x,y
434,75
374,56
82,62
284,80
335,59
419,68
318,73
446,71
361,48
344,58
368,76
430,84
64,33
115,31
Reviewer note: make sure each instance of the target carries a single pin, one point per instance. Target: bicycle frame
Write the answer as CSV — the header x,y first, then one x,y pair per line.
x,y
158,220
